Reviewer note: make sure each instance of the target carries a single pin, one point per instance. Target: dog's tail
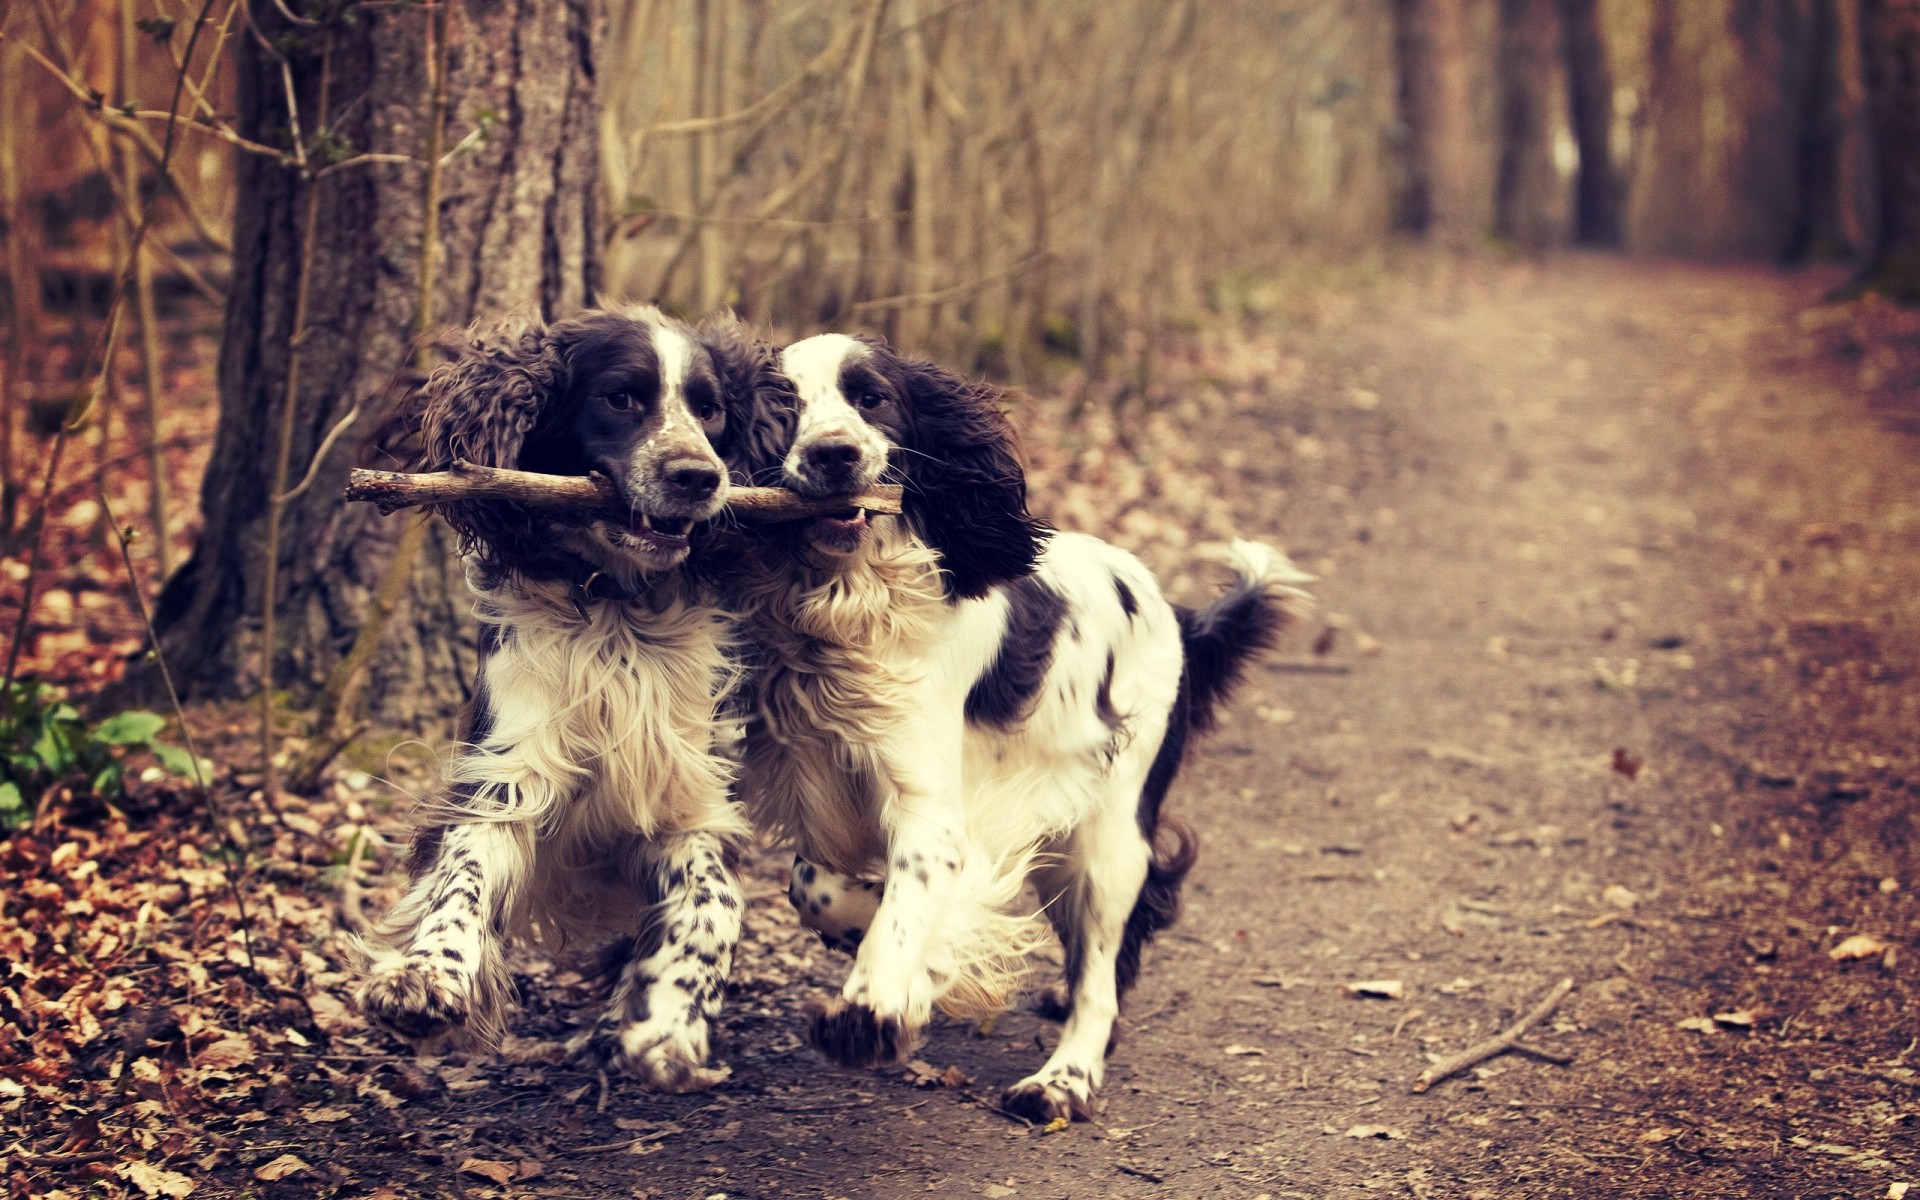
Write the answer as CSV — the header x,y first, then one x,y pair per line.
x,y
1218,643
1221,639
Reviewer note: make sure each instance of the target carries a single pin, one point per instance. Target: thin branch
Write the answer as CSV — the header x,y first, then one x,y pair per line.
x,y
584,494
954,291
320,455
1507,1039
215,816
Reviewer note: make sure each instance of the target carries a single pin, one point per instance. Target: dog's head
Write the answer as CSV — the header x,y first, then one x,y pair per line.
x,y
865,414
629,394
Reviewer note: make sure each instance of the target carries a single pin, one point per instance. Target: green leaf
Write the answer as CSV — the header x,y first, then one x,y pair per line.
x,y
130,728
53,750
10,797
173,758
107,783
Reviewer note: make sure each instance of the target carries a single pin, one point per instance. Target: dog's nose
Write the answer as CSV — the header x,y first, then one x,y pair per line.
x,y
835,454
696,480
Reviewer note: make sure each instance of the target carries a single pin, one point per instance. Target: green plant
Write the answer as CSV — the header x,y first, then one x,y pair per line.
x,y
46,744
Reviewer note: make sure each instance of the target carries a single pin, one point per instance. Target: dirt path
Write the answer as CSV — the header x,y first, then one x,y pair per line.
x,y
1557,513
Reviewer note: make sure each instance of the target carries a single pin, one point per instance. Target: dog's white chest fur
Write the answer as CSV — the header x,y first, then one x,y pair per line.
x,y
602,727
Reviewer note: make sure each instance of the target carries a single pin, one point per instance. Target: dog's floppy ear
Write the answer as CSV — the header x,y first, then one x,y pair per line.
x,y
759,399
966,491
480,406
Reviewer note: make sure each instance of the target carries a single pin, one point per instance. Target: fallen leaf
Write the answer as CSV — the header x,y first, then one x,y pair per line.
x,y
326,1116
997,1191
1660,1133
1698,1024
1238,1051
489,1168
1898,1191
1626,764
1378,989
154,1181
280,1168
1739,1018
1620,897
1377,1131
225,1054
1860,945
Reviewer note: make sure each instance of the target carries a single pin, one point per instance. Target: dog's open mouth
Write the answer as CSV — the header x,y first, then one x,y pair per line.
x,y
661,533
839,531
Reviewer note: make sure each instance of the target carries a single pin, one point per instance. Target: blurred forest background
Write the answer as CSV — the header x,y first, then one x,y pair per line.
x,y
215,213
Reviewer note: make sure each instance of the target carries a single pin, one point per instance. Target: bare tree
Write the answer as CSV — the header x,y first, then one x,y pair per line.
x,y
1525,182
1890,42
1431,69
1596,206
324,300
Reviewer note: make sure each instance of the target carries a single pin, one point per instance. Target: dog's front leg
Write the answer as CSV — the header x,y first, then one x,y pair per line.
x,y
659,1019
889,995
449,974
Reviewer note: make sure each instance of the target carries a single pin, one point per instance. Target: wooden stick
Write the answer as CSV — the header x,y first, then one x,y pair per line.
x,y
585,493
1499,1043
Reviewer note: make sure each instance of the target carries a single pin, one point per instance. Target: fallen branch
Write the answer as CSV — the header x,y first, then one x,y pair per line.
x,y
585,493
1507,1039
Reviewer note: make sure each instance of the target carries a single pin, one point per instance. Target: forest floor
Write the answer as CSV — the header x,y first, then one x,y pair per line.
x,y
1614,679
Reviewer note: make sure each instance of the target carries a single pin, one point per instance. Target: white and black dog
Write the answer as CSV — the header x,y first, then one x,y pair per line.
x,y
585,803
954,704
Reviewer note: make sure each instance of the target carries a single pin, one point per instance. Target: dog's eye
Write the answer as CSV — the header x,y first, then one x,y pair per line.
x,y
872,399
622,401
706,411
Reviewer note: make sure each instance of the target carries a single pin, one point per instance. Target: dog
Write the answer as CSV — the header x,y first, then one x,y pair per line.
x,y
957,703
586,802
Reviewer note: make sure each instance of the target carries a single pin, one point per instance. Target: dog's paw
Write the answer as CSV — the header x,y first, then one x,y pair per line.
x,y
667,1056
414,998
1046,1099
853,1035
1053,1004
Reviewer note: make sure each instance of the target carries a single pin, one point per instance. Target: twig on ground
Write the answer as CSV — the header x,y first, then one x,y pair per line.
x,y
351,910
466,482
1507,1039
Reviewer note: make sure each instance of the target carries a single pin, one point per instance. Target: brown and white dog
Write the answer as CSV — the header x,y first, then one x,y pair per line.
x,y
951,705
586,803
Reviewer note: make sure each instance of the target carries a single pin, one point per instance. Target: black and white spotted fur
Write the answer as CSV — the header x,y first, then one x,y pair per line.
x,y
585,803
957,703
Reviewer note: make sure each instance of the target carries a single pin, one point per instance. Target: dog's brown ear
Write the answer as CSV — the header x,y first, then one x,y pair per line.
x,y
966,490
759,399
479,406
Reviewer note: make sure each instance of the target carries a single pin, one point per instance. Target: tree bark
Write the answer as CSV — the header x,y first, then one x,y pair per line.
x,y
1817,229
1525,182
1431,63
519,228
1596,201
1890,49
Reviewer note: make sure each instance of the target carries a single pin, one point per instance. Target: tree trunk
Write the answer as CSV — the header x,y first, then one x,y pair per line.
x,y
1431,61
1596,204
1890,48
1817,229
1525,182
518,228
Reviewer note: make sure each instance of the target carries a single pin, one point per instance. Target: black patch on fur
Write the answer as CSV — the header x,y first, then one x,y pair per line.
x,y
1004,695
1128,603
1103,700
853,1035
1158,904
1220,641
966,489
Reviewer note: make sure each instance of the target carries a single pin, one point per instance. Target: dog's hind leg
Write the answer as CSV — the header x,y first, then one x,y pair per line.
x,y
1092,893
839,908
658,1024
448,974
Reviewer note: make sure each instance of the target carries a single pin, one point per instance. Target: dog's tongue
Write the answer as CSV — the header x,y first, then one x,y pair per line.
x,y
850,524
